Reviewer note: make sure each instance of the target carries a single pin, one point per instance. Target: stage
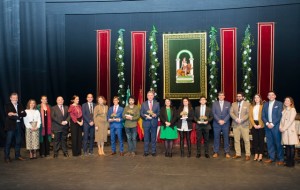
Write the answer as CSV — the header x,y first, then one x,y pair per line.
x,y
116,172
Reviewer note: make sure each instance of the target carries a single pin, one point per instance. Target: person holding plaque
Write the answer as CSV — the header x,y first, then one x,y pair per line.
x,y
203,117
32,123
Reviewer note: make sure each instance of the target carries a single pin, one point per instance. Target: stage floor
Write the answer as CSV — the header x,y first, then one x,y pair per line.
x,y
116,172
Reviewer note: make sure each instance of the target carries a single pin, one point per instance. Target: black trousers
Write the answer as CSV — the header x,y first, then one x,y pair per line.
x,y
202,132
187,135
76,136
45,146
290,155
60,140
258,142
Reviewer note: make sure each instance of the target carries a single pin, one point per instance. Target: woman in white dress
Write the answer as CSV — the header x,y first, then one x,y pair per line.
x,y
288,130
32,123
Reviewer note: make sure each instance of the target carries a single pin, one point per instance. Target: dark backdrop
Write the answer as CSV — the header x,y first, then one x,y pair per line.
x,y
49,46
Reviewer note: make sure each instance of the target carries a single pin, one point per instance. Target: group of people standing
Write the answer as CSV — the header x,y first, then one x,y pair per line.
x,y
272,120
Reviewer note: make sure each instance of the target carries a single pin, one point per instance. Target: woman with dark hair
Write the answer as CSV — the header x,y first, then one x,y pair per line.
x,y
168,129
76,123
185,124
45,128
131,114
32,122
257,127
288,130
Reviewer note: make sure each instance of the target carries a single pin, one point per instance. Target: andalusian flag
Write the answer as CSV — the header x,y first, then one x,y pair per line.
x,y
140,129
127,96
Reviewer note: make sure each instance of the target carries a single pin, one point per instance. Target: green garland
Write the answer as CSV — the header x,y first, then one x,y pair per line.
x,y
120,61
154,64
247,43
212,63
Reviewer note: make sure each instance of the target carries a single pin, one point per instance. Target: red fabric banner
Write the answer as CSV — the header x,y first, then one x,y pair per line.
x,y
265,58
103,63
138,62
140,129
228,63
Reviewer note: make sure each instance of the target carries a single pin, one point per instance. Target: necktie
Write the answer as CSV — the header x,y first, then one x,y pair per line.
x,y
239,110
115,109
150,105
91,108
61,109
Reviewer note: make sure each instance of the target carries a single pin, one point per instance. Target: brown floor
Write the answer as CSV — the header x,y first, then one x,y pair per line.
x,y
116,172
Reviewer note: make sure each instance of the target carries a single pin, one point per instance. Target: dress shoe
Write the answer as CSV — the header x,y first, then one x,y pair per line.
x,y
55,156
198,155
236,157
170,155
153,154
21,159
66,155
146,154
121,153
280,163
7,160
166,154
215,155
269,161
113,153
227,155
189,154
207,156
247,158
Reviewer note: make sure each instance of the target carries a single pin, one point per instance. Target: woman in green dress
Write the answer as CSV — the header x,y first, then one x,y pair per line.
x,y
168,130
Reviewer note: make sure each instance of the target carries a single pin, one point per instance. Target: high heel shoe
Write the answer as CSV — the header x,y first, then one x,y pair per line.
x,y
255,157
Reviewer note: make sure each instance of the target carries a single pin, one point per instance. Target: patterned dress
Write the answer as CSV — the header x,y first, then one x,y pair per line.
x,y
31,121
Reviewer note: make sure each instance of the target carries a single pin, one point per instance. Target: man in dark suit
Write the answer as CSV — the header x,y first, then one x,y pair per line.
x,y
13,125
221,123
60,126
88,124
150,112
115,119
271,116
203,117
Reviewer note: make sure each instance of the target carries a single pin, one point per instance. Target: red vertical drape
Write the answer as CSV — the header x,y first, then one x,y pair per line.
x,y
103,63
265,58
138,62
228,63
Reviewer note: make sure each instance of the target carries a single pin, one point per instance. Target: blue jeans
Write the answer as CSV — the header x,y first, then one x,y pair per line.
x,y
274,143
150,133
113,133
13,135
131,138
88,136
217,135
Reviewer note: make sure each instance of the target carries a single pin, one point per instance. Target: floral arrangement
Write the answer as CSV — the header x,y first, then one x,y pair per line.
x,y
120,61
154,64
212,65
247,43
113,115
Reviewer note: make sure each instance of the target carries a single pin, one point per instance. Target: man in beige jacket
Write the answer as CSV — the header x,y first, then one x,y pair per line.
x,y
239,113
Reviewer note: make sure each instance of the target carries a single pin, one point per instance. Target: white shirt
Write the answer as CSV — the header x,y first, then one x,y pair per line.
x,y
256,112
184,125
32,115
91,107
202,110
271,103
221,105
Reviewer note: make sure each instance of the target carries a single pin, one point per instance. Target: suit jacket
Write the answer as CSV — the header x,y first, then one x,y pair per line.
x,y
251,119
155,109
11,121
244,114
189,120
57,117
276,113
208,114
87,116
164,116
288,125
116,124
221,115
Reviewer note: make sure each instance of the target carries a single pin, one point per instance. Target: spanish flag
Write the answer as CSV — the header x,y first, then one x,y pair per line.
x,y
140,129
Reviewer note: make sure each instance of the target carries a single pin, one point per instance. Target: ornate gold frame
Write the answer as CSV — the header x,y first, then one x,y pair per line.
x,y
203,68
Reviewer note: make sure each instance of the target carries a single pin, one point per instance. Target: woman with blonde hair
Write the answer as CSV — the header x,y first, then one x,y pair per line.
x,y
101,124
32,123
289,136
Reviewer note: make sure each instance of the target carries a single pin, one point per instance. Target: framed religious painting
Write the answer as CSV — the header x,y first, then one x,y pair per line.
x,y
184,58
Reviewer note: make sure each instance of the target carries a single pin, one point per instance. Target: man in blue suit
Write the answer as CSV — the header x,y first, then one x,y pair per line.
x,y
150,112
221,113
88,125
114,117
271,116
